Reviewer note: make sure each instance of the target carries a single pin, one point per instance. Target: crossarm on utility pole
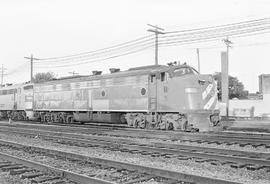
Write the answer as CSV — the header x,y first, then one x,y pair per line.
x,y
2,74
157,31
31,66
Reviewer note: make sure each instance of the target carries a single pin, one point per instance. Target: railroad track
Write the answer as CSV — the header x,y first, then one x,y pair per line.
x,y
214,156
140,173
254,140
39,173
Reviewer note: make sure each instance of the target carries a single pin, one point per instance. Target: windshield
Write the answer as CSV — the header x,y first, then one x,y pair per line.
x,y
184,71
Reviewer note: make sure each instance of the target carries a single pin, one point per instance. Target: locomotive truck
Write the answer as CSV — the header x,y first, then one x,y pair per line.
x,y
153,97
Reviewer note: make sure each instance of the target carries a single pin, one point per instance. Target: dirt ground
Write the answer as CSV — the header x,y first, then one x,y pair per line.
x,y
250,125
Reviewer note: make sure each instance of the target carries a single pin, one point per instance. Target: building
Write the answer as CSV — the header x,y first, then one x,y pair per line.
x,y
256,105
264,83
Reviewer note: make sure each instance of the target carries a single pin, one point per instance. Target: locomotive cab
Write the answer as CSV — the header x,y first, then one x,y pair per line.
x,y
192,95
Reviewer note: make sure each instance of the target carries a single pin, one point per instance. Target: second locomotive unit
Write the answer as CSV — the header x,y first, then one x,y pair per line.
x,y
155,97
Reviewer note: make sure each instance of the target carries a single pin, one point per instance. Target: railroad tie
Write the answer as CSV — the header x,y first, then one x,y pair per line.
x,y
228,163
20,171
3,166
244,144
58,181
254,167
44,178
140,179
258,145
183,158
12,167
267,146
4,162
31,175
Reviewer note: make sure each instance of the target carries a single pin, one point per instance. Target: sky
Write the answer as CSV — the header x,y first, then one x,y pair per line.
x,y
53,28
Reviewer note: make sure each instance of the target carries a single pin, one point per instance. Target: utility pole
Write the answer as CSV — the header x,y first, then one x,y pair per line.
x,y
31,66
157,31
225,75
73,73
2,74
198,56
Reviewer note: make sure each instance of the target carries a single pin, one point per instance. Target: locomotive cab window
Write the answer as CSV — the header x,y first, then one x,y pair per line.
x,y
183,71
163,76
153,78
28,87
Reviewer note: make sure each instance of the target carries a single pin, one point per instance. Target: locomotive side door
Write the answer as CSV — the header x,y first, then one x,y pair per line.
x,y
152,104
90,99
15,99
90,105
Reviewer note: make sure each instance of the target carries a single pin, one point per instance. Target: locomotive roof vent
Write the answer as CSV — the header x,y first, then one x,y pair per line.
x,y
96,72
145,67
114,70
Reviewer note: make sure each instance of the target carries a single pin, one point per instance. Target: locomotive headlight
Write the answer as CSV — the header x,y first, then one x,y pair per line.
x,y
191,90
201,82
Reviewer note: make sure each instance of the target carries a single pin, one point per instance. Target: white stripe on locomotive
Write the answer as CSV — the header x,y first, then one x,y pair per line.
x,y
207,91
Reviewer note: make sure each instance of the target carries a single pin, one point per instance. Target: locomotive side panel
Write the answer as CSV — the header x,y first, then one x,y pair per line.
x,y
60,100
14,102
6,102
114,94
179,94
124,94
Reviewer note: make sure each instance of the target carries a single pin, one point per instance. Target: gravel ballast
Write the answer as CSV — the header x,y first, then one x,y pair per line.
x,y
186,166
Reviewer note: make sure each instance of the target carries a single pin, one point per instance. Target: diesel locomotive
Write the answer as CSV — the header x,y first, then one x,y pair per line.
x,y
153,97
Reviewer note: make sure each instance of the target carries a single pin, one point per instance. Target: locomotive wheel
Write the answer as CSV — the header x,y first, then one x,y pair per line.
x,y
123,119
141,124
135,125
170,127
69,119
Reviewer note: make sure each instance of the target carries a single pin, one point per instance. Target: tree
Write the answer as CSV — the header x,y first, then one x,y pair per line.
x,y
42,77
236,88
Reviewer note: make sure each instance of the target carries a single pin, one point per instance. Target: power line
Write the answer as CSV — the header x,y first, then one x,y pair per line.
x,y
96,55
191,36
187,41
220,35
218,26
216,39
212,32
86,61
239,27
75,61
135,41
167,41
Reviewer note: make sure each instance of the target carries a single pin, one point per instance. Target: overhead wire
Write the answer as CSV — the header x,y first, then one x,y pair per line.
x,y
217,39
16,70
217,35
86,61
218,26
211,32
73,60
194,36
121,45
191,40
